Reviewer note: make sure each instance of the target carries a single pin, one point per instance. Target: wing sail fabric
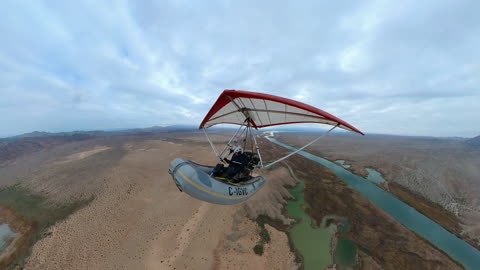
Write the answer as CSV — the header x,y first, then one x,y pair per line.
x,y
233,107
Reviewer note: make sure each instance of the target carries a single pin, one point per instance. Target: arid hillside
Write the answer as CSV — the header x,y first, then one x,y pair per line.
x,y
474,143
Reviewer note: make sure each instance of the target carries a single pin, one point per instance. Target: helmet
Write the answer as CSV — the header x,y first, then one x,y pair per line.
x,y
238,149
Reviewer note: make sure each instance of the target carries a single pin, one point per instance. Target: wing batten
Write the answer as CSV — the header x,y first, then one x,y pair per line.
x,y
277,111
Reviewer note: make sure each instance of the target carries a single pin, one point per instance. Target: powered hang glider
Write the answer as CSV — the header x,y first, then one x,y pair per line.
x,y
251,111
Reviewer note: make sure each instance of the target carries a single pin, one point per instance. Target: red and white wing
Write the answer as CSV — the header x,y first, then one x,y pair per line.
x,y
234,107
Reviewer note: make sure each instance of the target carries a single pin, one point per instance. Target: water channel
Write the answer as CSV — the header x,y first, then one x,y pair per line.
x,y
374,176
313,243
342,162
456,248
6,235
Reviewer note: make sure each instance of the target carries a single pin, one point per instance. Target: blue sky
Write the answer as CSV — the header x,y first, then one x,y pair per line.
x,y
411,67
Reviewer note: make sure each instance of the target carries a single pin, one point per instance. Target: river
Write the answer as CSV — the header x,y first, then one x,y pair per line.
x,y
455,247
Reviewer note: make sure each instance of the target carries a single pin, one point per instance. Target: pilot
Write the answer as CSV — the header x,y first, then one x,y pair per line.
x,y
237,164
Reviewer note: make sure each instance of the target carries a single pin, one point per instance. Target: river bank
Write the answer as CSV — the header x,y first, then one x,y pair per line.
x,y
323,246
382,241
436,176
428,208
29,215
314,243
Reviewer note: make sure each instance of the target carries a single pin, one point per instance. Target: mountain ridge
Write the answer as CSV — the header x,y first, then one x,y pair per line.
x,y
473,142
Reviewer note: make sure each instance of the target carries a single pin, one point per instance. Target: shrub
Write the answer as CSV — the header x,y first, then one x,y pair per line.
x,y
264,235
258,249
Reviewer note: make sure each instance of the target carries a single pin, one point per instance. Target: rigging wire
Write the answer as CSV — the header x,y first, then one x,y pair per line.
x,y
248,132
300,149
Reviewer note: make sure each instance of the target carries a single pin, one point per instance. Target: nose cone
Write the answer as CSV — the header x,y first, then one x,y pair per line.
x,y
171,171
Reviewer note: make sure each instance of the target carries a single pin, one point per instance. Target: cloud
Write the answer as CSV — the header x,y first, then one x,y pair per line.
x,y
398,68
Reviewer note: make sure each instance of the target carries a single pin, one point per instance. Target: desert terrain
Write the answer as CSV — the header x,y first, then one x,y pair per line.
x,y
108,202
134,216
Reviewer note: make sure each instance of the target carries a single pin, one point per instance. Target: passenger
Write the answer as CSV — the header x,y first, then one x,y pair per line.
x,y
237,164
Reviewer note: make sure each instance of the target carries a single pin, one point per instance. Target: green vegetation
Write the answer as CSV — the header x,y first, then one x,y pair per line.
x,y
37,210
264,235
258,249
261,220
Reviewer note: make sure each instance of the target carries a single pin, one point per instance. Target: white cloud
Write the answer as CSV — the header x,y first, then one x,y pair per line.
x,y
354,59
91,65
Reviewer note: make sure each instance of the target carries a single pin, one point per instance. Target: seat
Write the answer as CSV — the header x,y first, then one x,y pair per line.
x,y
253,159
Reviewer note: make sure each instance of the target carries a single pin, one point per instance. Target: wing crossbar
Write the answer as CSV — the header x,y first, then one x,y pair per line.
x,y
300,149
